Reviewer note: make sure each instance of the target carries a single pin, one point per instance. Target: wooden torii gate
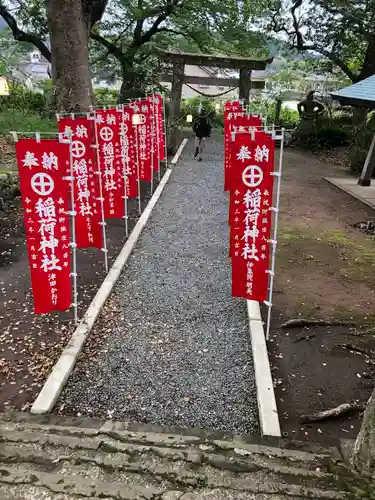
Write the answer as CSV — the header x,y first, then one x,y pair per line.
x,y
179,59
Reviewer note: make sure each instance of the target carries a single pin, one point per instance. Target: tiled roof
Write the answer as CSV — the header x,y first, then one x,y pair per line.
x,y
359,94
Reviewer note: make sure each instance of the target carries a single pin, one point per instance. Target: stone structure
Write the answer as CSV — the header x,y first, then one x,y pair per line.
x,y
9,184
52,458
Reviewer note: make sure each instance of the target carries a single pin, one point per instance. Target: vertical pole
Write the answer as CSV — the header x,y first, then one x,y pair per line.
x,y
73,243
158,137
165,134
101,198
368,167
138,174
152,145
175,103
244,86
275,227
120,109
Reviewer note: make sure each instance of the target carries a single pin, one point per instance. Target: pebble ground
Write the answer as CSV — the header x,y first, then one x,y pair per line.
x,y
180,352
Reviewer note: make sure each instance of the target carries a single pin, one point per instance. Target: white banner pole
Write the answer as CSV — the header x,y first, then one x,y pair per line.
x,y
73,243
152,142
158,137
138,174
98,172
165,132
120,109
275,227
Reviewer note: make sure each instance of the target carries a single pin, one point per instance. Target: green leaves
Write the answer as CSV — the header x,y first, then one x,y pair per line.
x,y
341,30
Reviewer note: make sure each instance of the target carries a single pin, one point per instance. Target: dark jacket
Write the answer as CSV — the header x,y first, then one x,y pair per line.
x,y
202,127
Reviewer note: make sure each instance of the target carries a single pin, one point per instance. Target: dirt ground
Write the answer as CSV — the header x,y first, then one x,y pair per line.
x,y
30,344
324,270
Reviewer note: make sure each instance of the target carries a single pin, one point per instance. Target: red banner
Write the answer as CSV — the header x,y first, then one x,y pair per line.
x,y
241,122
108,123
231,118
86,187
154,132
129,153
142,109
252,164
45,199
160,126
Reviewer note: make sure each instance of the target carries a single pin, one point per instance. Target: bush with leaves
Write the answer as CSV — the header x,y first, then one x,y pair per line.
x,y
327,133
105,97
20,98
362,137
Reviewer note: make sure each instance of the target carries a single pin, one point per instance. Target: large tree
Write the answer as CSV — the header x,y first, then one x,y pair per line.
x,y
125,40
343,31
135,26
68,24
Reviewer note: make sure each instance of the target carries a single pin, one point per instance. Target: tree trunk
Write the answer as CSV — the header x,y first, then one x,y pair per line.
x,y
368,67
363,457
69,35
278,107
132,82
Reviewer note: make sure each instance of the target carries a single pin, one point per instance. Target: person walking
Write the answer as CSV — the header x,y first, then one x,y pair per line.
x,y
202,130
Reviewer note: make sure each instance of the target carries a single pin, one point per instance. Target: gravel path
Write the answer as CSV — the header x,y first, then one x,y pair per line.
x,y
180,352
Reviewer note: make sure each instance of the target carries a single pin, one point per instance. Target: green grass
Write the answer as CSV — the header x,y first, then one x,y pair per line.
x,y
356,257
25,121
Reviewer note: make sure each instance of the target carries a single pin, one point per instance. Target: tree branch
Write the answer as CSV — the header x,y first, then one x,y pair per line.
x,y
23,36
137,37
111,47
302,46
93,11
180,33
298,34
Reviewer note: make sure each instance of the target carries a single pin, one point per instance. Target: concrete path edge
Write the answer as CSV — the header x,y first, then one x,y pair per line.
x,y
62,369
268,414
334,182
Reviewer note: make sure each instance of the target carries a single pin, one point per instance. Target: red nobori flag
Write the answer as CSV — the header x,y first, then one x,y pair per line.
x,y
160,125
253,163
129,153
232,118
233,105
154,132
236,122
108,123
45,197
143,138
86,188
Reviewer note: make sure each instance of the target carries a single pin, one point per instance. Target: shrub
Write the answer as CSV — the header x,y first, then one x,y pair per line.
x,y
21,98
26,121
360,145
105,97
328,133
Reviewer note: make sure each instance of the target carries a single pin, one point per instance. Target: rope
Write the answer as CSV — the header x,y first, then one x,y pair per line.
x,y
210,95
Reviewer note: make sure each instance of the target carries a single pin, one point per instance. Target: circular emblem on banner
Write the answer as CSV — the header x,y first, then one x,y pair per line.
x,y
78,149
252,176
106,134
42,184
125,128
142,119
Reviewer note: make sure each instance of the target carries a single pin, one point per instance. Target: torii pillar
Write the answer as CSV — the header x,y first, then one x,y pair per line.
x,y
244,86
175,104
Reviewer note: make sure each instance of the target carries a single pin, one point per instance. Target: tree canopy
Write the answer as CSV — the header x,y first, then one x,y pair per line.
x,y
343,31
130,29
